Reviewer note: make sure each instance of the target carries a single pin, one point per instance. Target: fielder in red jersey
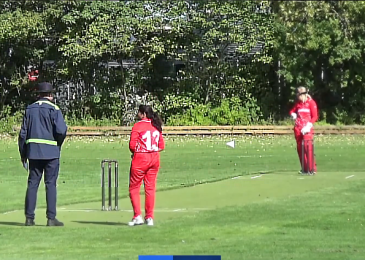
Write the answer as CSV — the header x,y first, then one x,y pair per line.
x,y
305,114
146,141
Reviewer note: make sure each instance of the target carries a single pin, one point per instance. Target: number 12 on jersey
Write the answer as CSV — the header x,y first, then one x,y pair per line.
x,y
151,140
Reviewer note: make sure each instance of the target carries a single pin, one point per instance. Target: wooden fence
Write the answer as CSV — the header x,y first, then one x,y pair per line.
x,y
214,130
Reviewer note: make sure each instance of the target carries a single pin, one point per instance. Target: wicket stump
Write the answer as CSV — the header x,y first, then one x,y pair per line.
x,y
305,154
116,184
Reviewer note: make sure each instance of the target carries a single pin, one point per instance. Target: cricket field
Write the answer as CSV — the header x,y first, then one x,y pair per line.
x,y
243,203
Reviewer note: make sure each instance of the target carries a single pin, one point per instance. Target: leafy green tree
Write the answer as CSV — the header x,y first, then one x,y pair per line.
x,y
21,46
319,45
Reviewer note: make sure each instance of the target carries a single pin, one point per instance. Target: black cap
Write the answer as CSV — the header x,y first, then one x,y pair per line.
x,y
44,87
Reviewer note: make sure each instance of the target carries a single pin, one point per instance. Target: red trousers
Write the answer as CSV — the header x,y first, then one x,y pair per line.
x,y
144,168
308,150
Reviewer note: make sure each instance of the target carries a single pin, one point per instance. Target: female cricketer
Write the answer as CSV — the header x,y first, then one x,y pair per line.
x,y
146,141
305,115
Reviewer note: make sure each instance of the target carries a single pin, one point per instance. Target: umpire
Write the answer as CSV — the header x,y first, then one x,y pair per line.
x,y
41,136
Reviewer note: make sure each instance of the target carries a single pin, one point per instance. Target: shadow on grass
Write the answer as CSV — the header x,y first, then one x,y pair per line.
x,y
2,223
102,223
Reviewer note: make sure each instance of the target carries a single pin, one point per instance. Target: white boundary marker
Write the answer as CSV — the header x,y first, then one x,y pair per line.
x,y
253,156
129,210
8,212
248,156
348,177
235,178
231,144
239,177
258,176
176,210
182,210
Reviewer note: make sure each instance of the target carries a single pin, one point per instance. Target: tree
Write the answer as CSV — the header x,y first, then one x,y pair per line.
x,y
319,46
22,46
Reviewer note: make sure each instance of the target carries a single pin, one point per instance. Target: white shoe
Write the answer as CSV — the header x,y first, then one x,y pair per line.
x,y
149,222
136,221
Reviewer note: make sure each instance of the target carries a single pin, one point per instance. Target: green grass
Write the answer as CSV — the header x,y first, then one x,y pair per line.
x,y
280,215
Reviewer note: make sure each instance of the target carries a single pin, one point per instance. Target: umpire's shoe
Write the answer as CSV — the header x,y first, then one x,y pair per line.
x,y
29,222
54,223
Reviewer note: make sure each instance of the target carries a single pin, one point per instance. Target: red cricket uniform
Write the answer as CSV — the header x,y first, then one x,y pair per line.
x,y
145,143
306,113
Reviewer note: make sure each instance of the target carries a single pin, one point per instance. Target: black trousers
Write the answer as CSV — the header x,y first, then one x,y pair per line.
x,y
36,169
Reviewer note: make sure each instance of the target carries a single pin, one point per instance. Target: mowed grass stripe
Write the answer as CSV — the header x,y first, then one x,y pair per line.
x,y
187,161
183,164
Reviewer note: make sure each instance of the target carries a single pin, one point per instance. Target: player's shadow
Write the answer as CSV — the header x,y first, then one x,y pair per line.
x,y
2,223
102,223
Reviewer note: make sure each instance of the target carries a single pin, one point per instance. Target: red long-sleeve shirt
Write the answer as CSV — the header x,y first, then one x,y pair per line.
x,y
145,138
306,112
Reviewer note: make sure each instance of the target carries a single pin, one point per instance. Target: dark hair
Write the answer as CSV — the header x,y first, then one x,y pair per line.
x,y
155,118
